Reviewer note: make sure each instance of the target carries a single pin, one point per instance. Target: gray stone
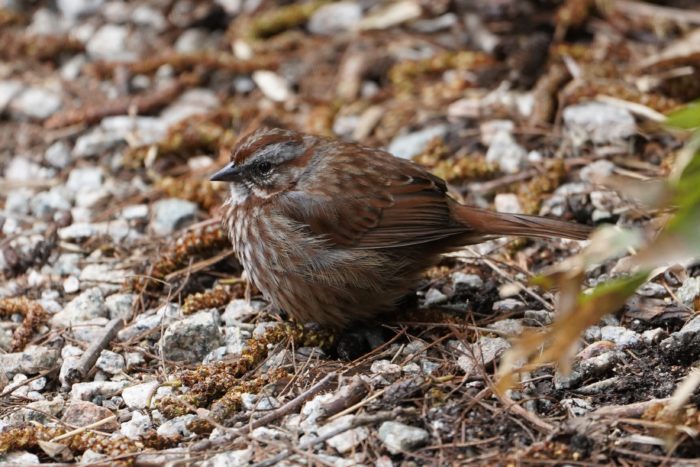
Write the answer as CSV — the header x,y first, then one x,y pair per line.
x,y
192,102
621,336
89,331
171,214
136,212
137,396
18,201
33,360
538,317
86,306
274,86
434,297
237,458
46,203
145,130
58,155
82,413
192,338
136,427
110,42
104,273
507,327
508,305
36,103
409,145
398,437
120,305
654,336
689,291
46,22
576,407
92,389
346,441
484,351
21,169
508,202
85,179
75,8
95,143
259,402
681,342
110,362
147,16
9,89
146,322
506,152
652,289
239,309
176,427
598,122
491,128
587,369
19,458
193,40
335,18
595,172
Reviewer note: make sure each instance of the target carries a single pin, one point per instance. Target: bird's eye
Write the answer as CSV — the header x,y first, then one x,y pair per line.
x,y
264,168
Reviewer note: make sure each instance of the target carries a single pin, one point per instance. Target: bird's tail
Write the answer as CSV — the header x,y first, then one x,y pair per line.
x,y
497,223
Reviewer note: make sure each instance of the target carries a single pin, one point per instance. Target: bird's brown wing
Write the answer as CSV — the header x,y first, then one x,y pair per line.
x,y
380,210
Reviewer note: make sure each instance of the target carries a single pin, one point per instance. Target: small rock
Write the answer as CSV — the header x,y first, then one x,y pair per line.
x,y
86,306
42,411
19,458
171,214
538,317
506,153
508,202
239,309
134,359
588,369
46,203
110,362
392,14
576,407
680,343
95,143
598,122
335,18
385,367
120,305
176,427
138,426
347,440
434,297
136,397
110,43
85,179
652,289
136,212
689,291
71,285
597,171
192,102
237,458
486,350
621,336
33,360
398,437
654,336
489,129
73,9
508,305
21,169
36,103
191,339
409,145
146,322
259,403
507,327
88,391
82,413
272,85
8,90
192,40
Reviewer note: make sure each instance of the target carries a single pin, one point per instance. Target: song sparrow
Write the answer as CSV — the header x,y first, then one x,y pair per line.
x,y
335,233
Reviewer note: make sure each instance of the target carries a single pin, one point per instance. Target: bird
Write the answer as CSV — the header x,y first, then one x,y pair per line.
x,y
336,233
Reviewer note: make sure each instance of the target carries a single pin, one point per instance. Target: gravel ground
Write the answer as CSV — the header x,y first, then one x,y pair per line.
x,y
128,332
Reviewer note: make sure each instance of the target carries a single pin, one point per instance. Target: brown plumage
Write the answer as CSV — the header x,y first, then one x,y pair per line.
x,y
334,232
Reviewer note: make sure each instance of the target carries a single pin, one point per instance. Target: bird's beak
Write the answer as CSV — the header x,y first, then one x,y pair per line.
x,y
228,174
